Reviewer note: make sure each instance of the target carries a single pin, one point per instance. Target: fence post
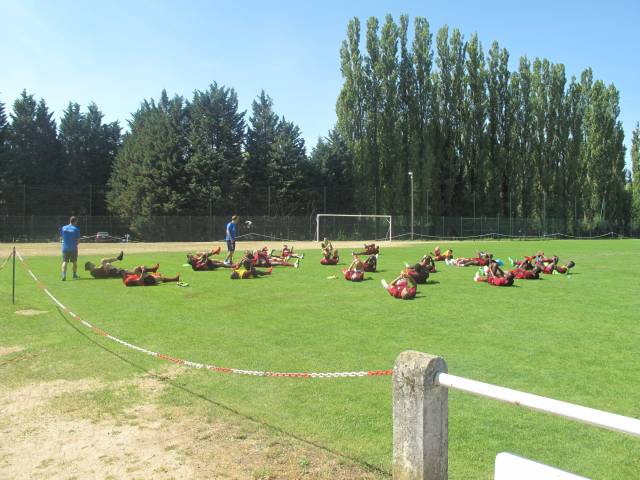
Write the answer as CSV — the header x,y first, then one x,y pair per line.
x,y
420,418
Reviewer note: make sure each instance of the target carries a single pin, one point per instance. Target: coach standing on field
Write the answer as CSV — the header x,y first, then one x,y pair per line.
x,y
70,234
231,239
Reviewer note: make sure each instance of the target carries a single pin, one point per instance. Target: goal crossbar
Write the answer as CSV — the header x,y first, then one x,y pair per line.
x,y
320,215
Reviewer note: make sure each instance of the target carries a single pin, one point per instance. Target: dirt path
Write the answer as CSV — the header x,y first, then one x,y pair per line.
x,y
54,430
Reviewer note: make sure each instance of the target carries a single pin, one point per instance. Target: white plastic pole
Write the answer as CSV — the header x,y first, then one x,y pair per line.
x,y
590,416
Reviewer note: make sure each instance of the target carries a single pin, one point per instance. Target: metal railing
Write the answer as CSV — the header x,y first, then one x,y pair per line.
x,y
420,414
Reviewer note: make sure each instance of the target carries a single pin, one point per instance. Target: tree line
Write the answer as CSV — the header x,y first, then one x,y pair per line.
x,y
478,138
55,163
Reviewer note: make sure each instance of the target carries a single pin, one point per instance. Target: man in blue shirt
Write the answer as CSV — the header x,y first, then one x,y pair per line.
x,y
231,239
70,234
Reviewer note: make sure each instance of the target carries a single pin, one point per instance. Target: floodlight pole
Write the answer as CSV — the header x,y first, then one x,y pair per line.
x,y
411,177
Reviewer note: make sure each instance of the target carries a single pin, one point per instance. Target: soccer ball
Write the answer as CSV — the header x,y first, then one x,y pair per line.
x,y
248,223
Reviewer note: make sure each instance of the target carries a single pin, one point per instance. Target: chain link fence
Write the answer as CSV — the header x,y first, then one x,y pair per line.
x,y
276,228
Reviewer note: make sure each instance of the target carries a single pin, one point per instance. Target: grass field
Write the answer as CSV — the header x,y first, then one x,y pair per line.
x,y
574,339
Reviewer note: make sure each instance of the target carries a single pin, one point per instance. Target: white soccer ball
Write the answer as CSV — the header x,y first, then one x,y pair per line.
x,y
248,223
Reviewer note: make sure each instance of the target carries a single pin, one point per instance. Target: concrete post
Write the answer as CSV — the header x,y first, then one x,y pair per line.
x,y
420,418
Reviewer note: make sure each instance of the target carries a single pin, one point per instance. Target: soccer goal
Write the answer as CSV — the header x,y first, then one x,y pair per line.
x,y
353,227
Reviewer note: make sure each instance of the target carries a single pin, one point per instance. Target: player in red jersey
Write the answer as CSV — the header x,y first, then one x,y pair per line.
x,y
438,256
371,263
288,253
403,287
147,279
421,270
329,254
369,249
202,262
525,273
263,258
246,268
481,260
553,266
355,272
495,276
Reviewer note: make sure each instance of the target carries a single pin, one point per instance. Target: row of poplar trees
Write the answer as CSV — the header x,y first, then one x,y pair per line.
x,y
479,138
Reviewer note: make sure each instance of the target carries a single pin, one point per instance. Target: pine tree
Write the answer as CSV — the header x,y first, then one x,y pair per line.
x,y
261,136
34,151
332,156
285,167
215,136
149,177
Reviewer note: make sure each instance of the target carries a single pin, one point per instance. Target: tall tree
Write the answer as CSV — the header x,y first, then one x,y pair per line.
x,y
215,137
333,157
261,136
149,177
388,133
422,142
350,109
635,176
285,169
373,72
406,128
34,151
474,143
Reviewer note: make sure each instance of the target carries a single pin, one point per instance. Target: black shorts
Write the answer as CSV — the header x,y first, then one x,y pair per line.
x,y
231,246
70,256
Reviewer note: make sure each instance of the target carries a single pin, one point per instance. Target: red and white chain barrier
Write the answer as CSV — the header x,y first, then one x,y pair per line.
x,y
189,363
4,264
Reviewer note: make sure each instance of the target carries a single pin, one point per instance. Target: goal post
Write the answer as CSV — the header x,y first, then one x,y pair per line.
x,y
359,218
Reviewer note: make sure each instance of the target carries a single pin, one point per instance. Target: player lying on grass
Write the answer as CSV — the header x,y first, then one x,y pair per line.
x,y
369,249
329,255
288,253
247,267
521,273
147,278
495,276
355,272
482,259
403,287
371,263
262,258
106,269
554,267
420,271
528,261
201,262
438,256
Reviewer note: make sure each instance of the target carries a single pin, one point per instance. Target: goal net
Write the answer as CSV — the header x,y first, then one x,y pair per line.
x,y
353,227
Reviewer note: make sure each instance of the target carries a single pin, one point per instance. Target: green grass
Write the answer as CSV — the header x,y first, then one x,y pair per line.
x,y
576,340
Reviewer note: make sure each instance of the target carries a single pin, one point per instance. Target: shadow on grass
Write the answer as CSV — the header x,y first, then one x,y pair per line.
x,y
201,396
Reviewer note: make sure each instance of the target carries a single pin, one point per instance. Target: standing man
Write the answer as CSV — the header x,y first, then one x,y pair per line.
x,y
231,239
70,234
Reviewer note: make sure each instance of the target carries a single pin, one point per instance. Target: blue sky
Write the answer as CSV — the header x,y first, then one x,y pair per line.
x,y
117,53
